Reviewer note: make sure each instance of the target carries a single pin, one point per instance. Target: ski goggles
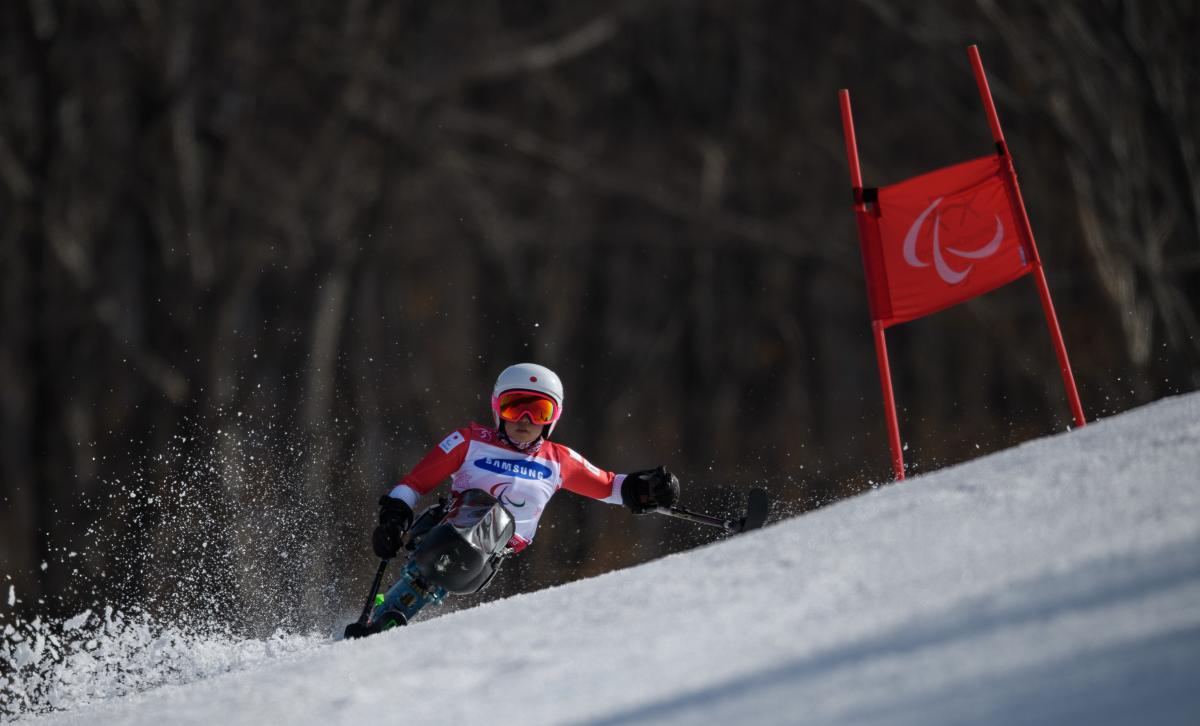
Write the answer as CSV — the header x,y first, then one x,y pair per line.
x,y
515,405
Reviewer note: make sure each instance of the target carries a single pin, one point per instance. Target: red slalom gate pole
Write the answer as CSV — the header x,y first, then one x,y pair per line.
x,y
1039,274
889,403
985,93
860,211
851,149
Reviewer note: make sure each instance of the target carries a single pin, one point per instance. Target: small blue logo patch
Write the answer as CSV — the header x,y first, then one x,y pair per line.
x,y
522,468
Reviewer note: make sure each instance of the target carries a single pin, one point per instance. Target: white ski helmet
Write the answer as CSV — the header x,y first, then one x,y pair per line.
x,y
528,377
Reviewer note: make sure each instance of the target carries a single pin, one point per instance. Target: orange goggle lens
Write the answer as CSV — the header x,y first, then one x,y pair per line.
x,y
514,405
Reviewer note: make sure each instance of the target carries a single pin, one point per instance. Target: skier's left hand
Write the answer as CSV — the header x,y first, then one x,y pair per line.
x,y
645,491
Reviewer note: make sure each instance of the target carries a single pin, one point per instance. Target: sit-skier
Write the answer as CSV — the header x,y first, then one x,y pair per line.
x,y
501,480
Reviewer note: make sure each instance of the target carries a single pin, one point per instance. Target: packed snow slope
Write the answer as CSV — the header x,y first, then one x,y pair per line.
x,y
1057,582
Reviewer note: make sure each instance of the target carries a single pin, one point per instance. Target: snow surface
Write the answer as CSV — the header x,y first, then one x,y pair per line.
x,y
1056,582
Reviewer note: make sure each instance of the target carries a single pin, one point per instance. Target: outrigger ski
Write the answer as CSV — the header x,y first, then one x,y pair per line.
x,y
757,506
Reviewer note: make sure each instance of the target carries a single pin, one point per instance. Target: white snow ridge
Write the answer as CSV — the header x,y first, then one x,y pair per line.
x,y
1054,583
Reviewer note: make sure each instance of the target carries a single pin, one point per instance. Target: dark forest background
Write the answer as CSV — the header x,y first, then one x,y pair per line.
x,y
257,257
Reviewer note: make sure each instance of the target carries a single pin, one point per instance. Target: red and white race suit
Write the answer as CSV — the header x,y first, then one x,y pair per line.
x,y
475,457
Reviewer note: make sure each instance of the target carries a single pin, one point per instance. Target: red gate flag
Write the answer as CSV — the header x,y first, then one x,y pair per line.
x,y
942,238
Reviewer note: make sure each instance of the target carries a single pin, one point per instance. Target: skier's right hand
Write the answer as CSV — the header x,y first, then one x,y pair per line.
x,y
395,517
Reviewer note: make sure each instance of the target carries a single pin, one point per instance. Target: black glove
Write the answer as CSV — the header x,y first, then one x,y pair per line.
x,y
395,517
644,491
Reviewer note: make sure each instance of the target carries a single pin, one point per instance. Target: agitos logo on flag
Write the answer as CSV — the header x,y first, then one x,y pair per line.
x,y
941,238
